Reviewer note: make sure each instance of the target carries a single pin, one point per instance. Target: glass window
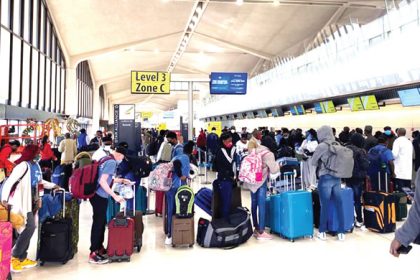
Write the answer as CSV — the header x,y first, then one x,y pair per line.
x,y
42,29
41,81
53,79
63,90
48,85
25,74
16,65
16,16
4,64
48,39
27,18
35,18
34,80
57,89
5,13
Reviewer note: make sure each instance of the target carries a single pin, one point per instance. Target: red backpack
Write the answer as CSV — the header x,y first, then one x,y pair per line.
x,y
84,181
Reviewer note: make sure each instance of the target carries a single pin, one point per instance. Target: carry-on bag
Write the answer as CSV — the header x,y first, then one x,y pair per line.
x,y
401,210
216,200
56,243
296,216
347,199
182,231
159,195
6,237
379,209
120,238
184,202
203,199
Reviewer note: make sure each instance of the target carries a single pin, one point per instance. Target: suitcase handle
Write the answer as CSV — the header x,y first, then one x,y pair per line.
x,y
121,222
64,199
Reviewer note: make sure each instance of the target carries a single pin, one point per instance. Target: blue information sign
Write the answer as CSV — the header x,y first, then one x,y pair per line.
x,y
228,83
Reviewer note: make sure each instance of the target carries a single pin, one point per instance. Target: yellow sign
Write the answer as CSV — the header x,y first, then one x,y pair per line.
x,y
217,125
328,107
369,102
146,115
355,104
161,126
147,82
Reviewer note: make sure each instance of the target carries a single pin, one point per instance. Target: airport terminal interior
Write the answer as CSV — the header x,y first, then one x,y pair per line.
x,y
202,139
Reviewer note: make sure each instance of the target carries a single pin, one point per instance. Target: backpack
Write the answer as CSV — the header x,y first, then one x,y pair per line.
x,y
225,233
376,164
361,162
166,152
160,179
141,166
340,161
251,170
184,202
153,148
84,181
58,175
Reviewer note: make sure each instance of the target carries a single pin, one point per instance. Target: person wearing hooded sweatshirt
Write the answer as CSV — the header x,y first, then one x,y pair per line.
x,y
307,149
360,169
226,168
25,201
410,230
259,191
329,186
181,171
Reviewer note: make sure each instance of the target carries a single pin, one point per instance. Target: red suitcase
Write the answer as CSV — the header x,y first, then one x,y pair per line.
x,y
6,236
120,238
159,203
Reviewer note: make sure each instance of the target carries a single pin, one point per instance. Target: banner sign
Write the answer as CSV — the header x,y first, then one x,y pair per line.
x,y
124,125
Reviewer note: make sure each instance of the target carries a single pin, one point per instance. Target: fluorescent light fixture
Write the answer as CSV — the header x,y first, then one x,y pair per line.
x,y
156,51
194,19
276,2
192,24
199,9
239,2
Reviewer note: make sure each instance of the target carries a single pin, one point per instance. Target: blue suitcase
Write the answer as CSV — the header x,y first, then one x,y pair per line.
x,y
296,216
348,208
203,199
272,213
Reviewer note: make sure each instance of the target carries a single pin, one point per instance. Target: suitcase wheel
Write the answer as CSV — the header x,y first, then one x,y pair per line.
x,y
64,262
292,240
192,245
41,263
138,249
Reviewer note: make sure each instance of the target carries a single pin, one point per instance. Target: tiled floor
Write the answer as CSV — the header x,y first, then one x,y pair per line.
x,y
364,255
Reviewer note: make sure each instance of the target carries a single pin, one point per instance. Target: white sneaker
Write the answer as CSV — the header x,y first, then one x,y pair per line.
x,y
341,237
363,228
358,224
168,241
322,236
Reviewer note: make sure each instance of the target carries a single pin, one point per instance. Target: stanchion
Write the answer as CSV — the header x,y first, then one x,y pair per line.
x,y
206,181
148,210
200,164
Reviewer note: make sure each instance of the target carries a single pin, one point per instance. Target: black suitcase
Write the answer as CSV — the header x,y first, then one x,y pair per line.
x,y
56,239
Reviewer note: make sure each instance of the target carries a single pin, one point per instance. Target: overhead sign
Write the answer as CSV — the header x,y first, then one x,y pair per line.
x,y
355,104
228,83
217,125
146,115
147,82
169,115
124,125
369,102
162,126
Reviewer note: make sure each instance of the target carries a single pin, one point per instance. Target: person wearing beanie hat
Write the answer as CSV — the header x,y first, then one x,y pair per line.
x,y
25,201
6,165
99,202
361,166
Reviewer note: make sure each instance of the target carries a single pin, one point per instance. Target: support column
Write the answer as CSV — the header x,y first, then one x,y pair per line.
x,y
190,111
96,110
72,99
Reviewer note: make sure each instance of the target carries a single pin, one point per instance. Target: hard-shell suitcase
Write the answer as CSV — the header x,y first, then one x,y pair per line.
x,y
272,210
56,239
347,198
138,230
203,199
316,207
296,216
159,203
400,205
6,237
120,238
182,231
379,210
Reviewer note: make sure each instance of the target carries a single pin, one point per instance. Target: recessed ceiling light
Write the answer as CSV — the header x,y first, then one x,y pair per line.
x,y
239,2
156,51
276,2
199,10
194,19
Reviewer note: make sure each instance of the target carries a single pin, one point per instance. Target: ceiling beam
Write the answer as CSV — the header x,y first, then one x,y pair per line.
x,y
191,70
89,55
238,47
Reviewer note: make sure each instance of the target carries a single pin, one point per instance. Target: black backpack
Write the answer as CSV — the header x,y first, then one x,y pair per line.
x,y
140,166
153,148
361,162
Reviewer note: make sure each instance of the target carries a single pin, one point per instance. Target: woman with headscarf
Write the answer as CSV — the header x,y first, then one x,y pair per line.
x,y
307,150
22,193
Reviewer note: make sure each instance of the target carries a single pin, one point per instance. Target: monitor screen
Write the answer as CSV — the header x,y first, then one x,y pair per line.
x,y
410,97
318,108
262,114
355,104
328,107
250,115
228,83
277,112
300,109
369,102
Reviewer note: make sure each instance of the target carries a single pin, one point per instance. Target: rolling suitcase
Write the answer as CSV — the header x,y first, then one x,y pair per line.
x,y
272,213
379,209
6,237
159,203
137,217
56,239
216,201
72,210
182,231
400,205
203,199
316,208
296,215
120,238
348,209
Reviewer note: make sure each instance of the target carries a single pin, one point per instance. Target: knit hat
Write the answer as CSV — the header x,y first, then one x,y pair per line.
x,y
28,153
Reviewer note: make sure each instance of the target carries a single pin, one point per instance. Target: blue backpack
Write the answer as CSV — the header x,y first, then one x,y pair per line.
x,y
376,164
58,175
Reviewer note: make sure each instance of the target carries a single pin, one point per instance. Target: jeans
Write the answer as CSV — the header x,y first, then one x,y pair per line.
x,y
357,186
225,190
170,206
99,205
258,201
330,187
20,250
